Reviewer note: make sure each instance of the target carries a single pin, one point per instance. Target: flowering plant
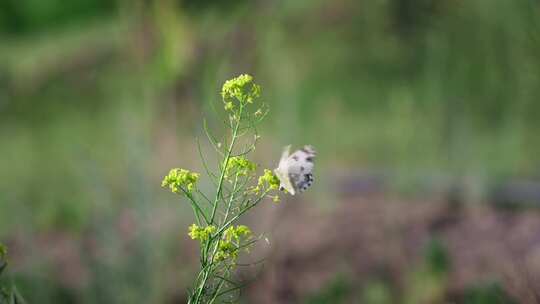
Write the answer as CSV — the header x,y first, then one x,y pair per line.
x,y
237,190
8,291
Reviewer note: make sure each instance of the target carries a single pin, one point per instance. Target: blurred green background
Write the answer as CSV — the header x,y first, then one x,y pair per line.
x,y
411,104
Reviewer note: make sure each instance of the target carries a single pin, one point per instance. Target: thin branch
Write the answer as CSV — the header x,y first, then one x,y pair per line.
x,y
251,264
195,205
211,138
232,220
224,169
205,163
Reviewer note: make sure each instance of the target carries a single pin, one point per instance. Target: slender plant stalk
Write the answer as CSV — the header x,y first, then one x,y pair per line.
x,y
221,240
225,164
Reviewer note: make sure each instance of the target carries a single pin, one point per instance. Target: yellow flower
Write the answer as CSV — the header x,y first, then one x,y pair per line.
x,y
231,243
240,166
180,179
236,233
229,106
200,233
268,179
242,89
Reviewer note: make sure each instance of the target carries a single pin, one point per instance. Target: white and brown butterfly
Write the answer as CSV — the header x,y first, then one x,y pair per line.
x,y
295,171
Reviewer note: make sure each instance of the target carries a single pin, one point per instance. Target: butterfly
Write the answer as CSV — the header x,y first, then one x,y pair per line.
x,y
295,171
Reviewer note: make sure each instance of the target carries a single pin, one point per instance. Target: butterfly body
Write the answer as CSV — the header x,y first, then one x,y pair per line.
x,y
295,171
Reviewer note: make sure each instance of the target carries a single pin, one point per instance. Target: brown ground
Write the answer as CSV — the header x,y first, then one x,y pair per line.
x,y
373,236
384,237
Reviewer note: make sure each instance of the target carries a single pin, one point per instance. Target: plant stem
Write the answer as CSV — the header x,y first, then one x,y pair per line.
x,y
231,199
227,224
226,163
196,208
205,254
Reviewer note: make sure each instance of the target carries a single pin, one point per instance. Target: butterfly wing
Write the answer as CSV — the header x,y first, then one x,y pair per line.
x,y
284,156
282,172
300,168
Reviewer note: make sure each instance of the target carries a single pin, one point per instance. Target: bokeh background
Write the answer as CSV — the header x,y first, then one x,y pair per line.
x,y
425,115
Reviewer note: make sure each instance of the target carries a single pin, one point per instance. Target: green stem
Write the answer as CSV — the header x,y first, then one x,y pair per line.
x,y
231,199
215,205
218,239
232,220
217,293
225,164
195,206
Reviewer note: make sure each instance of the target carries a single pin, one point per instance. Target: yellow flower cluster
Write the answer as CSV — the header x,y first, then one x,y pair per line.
x,y
230,244
180,179
236,233
227,250
242,89
239,166
267,181
201,233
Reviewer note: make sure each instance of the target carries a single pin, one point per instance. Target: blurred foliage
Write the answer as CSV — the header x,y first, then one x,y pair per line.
x,y
491,293
9,294
30,16
437,258
377,292
96,98
427,282
338,291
